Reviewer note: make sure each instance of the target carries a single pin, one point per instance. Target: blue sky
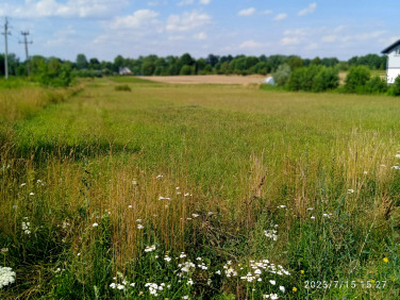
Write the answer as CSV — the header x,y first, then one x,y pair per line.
x,y
107,28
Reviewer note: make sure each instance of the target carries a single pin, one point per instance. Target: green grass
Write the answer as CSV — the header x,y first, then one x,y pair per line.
x,y
237,155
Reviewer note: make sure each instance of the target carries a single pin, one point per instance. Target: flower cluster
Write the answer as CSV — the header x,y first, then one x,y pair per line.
x,y
7,276
272,233
154,288
26,226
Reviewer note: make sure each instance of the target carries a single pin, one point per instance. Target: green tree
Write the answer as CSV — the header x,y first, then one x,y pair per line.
x,y
81,62
282,74
356,78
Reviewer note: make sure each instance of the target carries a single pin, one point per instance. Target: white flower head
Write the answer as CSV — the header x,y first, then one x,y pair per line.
x,y
95,224
7,276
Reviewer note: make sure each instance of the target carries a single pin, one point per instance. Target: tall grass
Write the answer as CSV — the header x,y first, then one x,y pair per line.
x,y
210,171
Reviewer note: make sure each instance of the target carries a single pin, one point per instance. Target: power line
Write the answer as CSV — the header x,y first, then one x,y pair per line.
x,y
6,33
25,34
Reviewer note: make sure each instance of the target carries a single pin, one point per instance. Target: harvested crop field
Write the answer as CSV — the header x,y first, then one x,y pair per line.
x,y
208,79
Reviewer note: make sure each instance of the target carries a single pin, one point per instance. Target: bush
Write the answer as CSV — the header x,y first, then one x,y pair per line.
x,y
395,87
282,74
376,85
314,78
356,79
122,87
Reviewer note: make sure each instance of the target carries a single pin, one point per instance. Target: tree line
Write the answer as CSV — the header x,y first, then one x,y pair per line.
x,y
55,71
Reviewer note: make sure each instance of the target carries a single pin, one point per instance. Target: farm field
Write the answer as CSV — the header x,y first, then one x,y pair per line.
x,y
127,188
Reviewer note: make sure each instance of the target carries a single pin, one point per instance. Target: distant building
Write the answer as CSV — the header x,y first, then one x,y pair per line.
x,y
125,71
393,61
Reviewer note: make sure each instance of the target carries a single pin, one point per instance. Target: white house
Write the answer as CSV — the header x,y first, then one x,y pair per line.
x,y
393,61
124,71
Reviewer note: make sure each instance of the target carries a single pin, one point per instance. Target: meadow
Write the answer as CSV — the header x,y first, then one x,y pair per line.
x,y
124,188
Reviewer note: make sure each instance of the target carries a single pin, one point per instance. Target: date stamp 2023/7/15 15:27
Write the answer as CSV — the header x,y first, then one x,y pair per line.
x,y
336,284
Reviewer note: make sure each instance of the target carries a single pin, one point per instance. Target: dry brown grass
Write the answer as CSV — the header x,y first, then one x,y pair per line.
x,y
208,79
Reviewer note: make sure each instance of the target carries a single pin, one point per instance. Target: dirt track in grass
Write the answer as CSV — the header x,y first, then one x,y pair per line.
x,y
208,79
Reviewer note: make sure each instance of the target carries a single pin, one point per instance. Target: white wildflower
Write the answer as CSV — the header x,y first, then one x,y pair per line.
x,y
273,282
150,249
281,206
120,286
350,191
159,176
31,194
23,184
395,167
113,285
95,224
7,276
282,288
397,156
140,226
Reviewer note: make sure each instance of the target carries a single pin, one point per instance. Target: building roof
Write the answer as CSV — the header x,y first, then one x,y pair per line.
x,y
388,49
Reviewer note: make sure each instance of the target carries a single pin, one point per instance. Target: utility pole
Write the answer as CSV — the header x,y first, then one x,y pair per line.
x,y
25,34
6,33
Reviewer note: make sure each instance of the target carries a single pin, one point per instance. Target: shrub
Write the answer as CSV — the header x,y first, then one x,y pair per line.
x,y
356,79
122,87
314,78
394,89
376,85
282,74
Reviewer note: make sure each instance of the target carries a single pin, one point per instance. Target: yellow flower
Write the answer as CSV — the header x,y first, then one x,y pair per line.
x,y
372,281
385,260
301,272
294,289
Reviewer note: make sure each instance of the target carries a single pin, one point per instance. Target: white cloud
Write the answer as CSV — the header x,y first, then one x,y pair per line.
x,y
71,8
267,12
288,41
250,45
205,2
329,38
200,36
369,35
187,21
309,10
185,2
280,17
247,12
62,37
143,18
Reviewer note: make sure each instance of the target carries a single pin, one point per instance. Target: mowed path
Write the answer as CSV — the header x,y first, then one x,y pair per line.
x,y
208,79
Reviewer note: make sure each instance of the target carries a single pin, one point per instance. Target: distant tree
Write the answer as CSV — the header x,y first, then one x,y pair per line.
x,y
295,62
282,74
118,63
212,59
81,62
316,61
186,59
94,64
186,70
148,68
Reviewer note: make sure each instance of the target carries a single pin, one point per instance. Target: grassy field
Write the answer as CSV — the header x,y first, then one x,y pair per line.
x,y
128,188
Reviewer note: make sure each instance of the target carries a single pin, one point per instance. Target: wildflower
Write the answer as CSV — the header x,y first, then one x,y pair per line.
x,y
120,286
294,289
23,184
198,258
397,156
185,297
385,260
134,182
310,208
130,206
57,270
350,191
218,272
271,296
282,288
186,195
183,255
151,248
7,276
167,258
281,206
4,250
395,167
139,220
95,224
163,198
312,218
132,284
140,226
302,272
273,282
113,285
190,282
209,281
159,176
272,234
365,173
195,215
31,194
372,281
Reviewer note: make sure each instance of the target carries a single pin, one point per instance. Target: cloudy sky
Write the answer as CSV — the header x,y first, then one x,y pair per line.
x,y
107,28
